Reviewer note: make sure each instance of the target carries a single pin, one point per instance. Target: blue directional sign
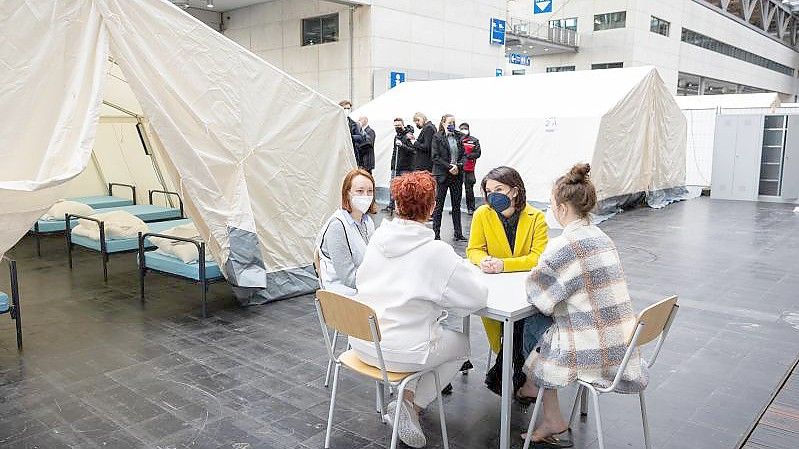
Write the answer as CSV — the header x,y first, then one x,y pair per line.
x,y
518,58
542,6
497,31
396,78
499,72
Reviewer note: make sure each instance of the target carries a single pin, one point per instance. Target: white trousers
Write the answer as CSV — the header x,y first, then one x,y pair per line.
x,y
449,353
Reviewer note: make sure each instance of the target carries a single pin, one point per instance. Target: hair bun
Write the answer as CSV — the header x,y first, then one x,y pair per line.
x,y
578,174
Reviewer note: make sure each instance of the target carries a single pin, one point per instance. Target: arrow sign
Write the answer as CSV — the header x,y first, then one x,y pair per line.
x,y
542,6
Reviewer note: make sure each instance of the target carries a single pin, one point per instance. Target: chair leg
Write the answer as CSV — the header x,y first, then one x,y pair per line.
x,y
577,400
645,420
488,363
330,362
444,437
595,398
584,403
531,426
332,406
105,267
379,396
395,424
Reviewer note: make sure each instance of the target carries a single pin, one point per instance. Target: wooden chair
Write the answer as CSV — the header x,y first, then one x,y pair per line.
x,y
350,317
653,323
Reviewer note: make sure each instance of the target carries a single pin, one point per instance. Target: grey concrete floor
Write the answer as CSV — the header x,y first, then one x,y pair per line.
x,y
100,370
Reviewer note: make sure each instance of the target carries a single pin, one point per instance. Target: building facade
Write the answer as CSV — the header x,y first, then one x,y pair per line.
x,y
699,46
347,50
358,49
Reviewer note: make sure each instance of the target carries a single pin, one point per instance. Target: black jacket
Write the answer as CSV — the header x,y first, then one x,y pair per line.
x,y
357,138
367,149
423,159
442,160
402,157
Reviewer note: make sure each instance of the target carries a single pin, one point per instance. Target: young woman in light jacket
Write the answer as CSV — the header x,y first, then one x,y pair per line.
x,y
343,239
579,282
413,283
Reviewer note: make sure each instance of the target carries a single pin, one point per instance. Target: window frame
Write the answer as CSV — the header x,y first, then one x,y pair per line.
x,y
656,24
320,23
552,23
610,24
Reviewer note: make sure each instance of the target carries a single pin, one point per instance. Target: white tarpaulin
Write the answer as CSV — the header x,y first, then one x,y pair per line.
x,y
258,156
700,113
623,121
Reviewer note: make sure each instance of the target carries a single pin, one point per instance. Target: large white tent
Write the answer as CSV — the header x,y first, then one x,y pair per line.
x,y
257,156
700,113
623,121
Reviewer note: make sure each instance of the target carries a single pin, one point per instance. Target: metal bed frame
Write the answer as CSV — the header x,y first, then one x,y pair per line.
x,y
14,310
38,234
101,224
204,281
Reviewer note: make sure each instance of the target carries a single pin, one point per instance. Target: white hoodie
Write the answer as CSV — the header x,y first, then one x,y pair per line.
x,y
412,282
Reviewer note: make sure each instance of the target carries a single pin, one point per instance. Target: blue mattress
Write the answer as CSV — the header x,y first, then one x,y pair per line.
x,y
145,212
170,264
148,212
4,300
122,245
103,201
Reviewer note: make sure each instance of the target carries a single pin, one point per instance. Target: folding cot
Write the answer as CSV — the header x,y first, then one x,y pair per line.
x,y
204,272
159,219
10,305
45,227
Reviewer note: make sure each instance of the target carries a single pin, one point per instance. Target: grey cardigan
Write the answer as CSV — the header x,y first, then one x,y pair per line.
x,y
341,251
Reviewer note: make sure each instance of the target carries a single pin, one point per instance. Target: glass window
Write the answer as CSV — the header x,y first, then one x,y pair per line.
x,y
659,26
688,84
518,72
694,38
563,68
609,21
569,24
607,65
320,30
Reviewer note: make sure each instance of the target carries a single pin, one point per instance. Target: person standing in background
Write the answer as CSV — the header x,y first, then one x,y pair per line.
x,y
423,158
402,156
448,157
355,129
367,149
471,147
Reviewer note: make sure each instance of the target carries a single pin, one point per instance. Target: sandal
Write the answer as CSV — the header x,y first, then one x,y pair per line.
x,y
552,441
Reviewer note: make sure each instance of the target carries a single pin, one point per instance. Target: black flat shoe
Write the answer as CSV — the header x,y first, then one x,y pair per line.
x,y
467,365
459,238
447,390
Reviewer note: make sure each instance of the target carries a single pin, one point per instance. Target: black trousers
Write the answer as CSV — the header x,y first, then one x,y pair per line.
x,y
391,201
468,182
453,184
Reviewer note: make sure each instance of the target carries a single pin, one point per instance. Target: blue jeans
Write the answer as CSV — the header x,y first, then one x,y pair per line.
x,y
534,328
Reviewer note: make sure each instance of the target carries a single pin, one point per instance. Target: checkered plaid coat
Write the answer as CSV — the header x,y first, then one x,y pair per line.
x,y
579,281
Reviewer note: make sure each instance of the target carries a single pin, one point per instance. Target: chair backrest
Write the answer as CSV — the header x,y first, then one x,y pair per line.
x,y
655,319
347,315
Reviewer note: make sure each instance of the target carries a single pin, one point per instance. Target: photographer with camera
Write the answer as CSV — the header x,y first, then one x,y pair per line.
x,y
402,157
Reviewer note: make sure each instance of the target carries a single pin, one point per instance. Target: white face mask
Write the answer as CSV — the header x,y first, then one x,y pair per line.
x,y
465,132
362,202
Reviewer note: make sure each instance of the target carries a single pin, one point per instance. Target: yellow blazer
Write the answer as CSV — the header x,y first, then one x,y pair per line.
x,y
487,238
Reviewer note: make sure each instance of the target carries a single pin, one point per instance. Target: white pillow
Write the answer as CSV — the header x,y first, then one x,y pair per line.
x,y
118,224
62,207
186,252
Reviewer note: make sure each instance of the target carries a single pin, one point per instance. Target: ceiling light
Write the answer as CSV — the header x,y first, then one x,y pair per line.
x,y
209,4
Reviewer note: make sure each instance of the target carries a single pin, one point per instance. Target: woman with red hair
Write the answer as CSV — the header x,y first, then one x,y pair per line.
x,y
413,283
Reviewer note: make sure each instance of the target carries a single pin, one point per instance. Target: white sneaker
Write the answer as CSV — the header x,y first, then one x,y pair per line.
x,y
409,430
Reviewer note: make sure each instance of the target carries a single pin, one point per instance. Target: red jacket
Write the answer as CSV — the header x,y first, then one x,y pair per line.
x,y
471,146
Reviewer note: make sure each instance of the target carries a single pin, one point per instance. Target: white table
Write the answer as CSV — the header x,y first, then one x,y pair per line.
x,y
507,303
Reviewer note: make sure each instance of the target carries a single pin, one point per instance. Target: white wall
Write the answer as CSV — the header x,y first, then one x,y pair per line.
x,y
443,39
211,18
636,45
434,39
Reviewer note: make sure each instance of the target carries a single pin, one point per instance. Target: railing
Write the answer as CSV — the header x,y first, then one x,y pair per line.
x,y
536,30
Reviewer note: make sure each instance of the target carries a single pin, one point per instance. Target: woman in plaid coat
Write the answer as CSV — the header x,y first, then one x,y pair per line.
x,y
579,282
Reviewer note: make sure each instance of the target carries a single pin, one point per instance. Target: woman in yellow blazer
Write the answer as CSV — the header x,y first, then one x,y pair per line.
x,y
507,235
